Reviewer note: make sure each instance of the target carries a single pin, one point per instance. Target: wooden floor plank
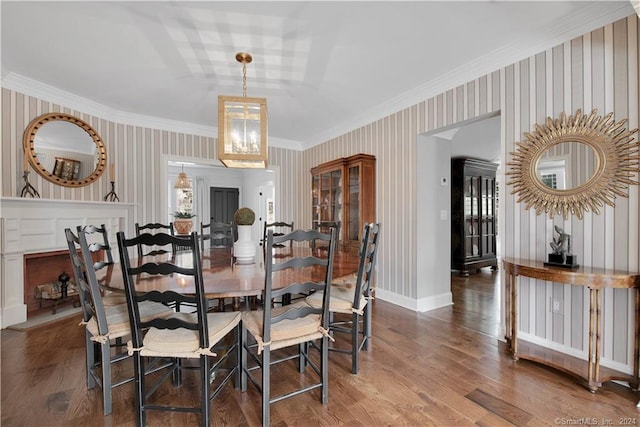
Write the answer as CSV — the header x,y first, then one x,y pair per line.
x,y
503,409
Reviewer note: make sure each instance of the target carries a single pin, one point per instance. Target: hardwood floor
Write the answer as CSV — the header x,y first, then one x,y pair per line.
x,y
440,368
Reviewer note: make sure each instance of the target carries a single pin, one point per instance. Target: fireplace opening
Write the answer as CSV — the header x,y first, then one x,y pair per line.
x,y
43,268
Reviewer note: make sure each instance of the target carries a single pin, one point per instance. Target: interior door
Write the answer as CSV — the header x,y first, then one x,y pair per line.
x,y
224,203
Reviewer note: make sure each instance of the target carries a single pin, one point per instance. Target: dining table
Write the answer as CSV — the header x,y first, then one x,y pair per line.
x,y
222,279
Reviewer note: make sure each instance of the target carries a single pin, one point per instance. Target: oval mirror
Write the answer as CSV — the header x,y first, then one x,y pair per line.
x,y
574,164
566,166
64,149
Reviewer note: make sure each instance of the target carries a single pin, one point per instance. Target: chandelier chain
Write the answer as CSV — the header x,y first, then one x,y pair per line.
x,y
244,80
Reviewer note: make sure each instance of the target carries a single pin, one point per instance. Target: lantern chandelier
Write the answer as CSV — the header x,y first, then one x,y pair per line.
x,y
183,181
242,126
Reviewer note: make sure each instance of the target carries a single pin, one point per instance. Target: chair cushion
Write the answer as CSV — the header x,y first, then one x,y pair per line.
x,y
348,280
286,332
114,299
340,301
183,342
118,318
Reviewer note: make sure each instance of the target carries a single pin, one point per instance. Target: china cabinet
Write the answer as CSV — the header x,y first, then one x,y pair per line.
x,y
343,192
473,215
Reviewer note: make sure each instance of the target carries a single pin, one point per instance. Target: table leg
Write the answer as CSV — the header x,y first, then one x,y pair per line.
x,y
636,348
514,315
598,336
507,305
594,337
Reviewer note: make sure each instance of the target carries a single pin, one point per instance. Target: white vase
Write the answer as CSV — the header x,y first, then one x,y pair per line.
x,y
244,249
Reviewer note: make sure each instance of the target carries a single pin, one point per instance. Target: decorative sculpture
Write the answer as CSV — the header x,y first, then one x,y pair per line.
x,y
562,256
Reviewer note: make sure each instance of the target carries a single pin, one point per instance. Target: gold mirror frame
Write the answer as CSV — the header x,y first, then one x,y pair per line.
x,y
617,161
30,152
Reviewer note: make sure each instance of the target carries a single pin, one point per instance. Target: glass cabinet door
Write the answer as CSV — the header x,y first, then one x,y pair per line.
x,y
326,197
472,216
354,203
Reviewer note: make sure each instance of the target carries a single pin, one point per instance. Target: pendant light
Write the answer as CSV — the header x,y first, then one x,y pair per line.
x,y
183,181
242,126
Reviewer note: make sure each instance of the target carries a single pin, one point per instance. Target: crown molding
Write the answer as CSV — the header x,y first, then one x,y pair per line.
x,y
592,17
40,90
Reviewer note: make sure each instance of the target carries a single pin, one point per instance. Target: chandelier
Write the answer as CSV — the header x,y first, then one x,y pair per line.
x,y
183,181
242,126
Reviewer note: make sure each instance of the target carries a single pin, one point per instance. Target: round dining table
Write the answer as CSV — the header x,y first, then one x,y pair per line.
x,y
222,279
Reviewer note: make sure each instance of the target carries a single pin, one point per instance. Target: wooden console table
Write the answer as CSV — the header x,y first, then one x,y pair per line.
x,y
595,279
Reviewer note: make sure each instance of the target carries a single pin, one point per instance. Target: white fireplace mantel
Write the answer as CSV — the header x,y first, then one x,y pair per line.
x,y
37,225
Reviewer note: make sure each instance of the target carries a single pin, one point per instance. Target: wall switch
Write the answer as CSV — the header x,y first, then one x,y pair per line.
x,y
555,307
443,215
444,181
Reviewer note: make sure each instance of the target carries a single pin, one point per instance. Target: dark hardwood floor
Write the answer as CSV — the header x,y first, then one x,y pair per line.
x,y
440,368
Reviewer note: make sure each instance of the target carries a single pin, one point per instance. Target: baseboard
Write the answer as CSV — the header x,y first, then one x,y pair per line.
x,y
422,305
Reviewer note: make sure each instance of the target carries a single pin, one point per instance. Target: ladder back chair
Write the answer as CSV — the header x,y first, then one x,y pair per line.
x,y
295,324
351,295
152,228
102,256
221,237
324,227
279,228
105,325
210,339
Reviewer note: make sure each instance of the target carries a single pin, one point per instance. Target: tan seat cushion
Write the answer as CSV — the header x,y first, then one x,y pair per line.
x,y
113,299
286,332
183,342
348,281
118,318
340,301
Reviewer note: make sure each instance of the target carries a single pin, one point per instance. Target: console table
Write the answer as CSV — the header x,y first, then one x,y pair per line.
x,y
595,279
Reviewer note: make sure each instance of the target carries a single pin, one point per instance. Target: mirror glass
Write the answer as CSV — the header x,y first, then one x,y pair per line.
x,y
566,166
64,149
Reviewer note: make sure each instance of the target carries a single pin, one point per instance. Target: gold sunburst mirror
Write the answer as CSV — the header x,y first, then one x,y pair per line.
x,y
574,164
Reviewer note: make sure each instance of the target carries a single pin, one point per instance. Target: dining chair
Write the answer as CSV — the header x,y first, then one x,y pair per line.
x,y
221,237
105,325
212,339
350,296
102,256
324,227
279,228
151,228
276,328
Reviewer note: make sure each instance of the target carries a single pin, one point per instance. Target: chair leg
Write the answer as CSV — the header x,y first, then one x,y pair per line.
x,y
106,378
206,391
238,359
138,367
91,360
302,350
243,359
266,385
324,369
366,320
355,343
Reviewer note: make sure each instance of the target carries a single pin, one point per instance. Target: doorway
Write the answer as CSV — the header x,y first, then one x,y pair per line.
x,y
480,138
224,202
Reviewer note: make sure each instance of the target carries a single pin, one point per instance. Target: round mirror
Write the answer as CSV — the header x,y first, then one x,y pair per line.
x,y
574,164
64,149
566,165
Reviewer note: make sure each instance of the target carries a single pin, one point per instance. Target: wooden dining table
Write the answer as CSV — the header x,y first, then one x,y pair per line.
x,y
223,280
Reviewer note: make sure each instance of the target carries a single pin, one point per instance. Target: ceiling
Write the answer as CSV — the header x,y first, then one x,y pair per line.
x,y
324,67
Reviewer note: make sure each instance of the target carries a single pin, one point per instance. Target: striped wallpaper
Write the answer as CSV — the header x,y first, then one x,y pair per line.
x,y
598,70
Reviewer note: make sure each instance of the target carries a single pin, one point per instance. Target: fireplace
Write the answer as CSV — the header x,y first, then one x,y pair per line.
x,y
32,238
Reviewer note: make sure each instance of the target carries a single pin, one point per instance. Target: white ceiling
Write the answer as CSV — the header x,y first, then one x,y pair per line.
x,y
324,67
